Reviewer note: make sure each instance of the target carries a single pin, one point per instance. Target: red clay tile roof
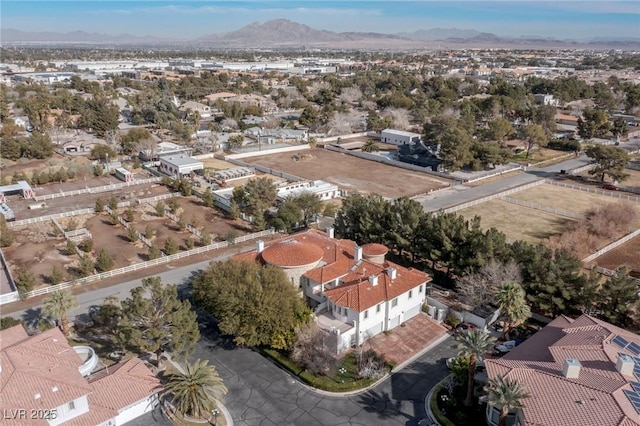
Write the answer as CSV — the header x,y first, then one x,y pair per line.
x,y
594,398
291,253
133,381
38,365
356,291
374,249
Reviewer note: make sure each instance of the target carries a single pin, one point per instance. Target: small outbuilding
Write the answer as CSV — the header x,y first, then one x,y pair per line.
x,y
399,137
124,174
179,165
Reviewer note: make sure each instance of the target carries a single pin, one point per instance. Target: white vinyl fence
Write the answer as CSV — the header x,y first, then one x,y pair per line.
x,y
493,197
98,189
611,246
143,265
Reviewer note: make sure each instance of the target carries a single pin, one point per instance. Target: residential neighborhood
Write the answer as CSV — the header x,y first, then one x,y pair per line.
x,y
294,225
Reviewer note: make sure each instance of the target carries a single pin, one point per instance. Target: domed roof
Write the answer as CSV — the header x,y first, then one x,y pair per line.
x,y
374,249
292,253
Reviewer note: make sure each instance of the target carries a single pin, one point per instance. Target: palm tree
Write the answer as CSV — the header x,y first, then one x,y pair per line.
x,y
57,306
511,299
370,146
473,344
507,394
194,392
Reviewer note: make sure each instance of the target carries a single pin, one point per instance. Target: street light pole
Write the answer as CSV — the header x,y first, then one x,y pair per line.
x,y
214,413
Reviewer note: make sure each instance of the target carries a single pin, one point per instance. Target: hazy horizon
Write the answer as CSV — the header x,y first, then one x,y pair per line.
x,y
569,19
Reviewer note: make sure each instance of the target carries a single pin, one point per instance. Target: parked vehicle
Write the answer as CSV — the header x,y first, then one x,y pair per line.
x,y
464,327
507,346
610,187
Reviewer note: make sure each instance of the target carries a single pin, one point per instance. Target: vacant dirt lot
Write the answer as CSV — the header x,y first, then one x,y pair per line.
x,y
352,174
64,204
518,223
114,239
38,249
566,198
627,255
212,219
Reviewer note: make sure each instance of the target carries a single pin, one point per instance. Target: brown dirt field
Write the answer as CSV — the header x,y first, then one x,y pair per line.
x,y
214,163
38,249
163,228
353,174
212,219
633,180
114,240
517,222
83,201
628,254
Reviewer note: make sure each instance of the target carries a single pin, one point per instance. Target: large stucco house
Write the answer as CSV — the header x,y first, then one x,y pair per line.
x,y
355,292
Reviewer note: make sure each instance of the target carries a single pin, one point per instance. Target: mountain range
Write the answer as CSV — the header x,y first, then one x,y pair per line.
x,y
282,33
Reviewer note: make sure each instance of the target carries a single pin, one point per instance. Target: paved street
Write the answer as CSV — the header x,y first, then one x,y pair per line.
x,y
260,393
458,195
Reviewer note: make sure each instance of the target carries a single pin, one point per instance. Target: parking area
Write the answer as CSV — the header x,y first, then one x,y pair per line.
x,y
407,340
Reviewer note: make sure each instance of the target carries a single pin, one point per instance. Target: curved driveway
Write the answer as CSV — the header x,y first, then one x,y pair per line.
x,y
260,393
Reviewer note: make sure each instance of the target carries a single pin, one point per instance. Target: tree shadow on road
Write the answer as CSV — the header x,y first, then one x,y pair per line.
x,y
32,317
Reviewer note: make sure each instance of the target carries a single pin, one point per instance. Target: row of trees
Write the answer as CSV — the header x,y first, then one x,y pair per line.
x,y
457,249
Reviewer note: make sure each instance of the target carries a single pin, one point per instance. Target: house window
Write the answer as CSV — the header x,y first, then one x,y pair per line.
x,y
410,294
366,314
70,407
420,289
378,307
394,302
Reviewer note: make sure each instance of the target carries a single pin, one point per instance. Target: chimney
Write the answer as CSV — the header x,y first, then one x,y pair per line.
x,y
625,365
571,368
358,253
373,279
330,232
392,272
259,246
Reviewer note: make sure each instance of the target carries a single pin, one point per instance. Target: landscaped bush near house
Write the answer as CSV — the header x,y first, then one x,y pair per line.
x,y
433,403
452,321
562,145
342,380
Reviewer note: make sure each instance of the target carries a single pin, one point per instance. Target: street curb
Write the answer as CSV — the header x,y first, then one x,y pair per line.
x,y
427,403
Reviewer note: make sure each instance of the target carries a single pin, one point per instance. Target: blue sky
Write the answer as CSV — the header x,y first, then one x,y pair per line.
x,y
575,19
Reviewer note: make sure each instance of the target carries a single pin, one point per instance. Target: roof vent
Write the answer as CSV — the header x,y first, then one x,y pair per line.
x,y
571,368
625,365
392,272
330,232
373,279
54,389
259,246
358,253
37,396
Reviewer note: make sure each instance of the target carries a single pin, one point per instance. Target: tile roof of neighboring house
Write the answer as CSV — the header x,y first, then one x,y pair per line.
x,y
46,365
33,367
566,117
338,261
133,380
374,249
596,397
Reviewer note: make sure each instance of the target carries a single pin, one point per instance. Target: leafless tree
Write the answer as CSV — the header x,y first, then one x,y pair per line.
x,y
478,289
400,117
343,123
317,86
309,350
229,123
369,364
350,95
148,147
369,105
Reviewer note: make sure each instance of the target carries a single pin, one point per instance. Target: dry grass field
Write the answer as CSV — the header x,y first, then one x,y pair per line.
x,y
566,198
517,223
351,173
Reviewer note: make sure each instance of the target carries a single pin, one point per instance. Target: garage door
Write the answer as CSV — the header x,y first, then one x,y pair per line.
x,y
394,322
373,330
412,312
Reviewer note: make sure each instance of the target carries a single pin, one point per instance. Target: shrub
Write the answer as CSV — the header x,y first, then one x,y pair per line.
x,y
25,280
114,218
113,202
564,145
6,234
104,261
173,205
57,275
190,243
99,205
182,224
132,234
170,246
160,209
86,245
8,322
86,266
70,248
205,238
149,232
231,237
154,252
436,410
452,320
128,215
72,224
